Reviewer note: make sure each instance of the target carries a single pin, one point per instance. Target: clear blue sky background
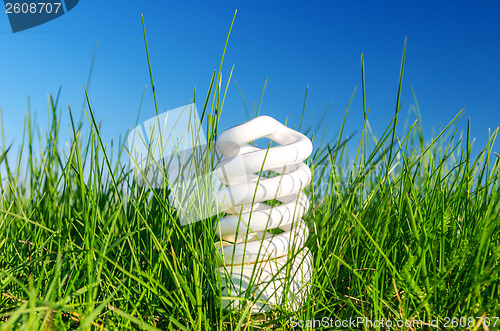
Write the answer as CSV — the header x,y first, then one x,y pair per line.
x,y
452,60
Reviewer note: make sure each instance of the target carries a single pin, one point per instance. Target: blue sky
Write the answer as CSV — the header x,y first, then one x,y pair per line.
x,y
452,61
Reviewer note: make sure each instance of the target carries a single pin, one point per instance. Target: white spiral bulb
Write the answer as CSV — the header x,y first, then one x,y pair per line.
x,y
267,267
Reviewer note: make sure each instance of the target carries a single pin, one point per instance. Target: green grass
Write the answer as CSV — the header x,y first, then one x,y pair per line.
x,y
408,229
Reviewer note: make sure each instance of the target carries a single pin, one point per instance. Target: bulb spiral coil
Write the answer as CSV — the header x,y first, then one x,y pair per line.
x,y
259,263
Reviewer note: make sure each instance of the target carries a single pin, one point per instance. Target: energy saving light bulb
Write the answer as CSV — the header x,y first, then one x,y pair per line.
x,y
263,258
262,245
